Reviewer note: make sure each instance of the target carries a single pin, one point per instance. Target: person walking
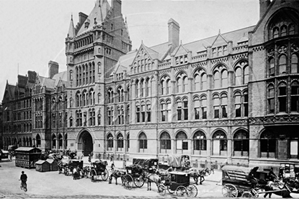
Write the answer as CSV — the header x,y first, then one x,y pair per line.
x,y
23,179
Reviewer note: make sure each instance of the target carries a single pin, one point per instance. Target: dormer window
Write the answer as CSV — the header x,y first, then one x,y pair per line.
x,y
87,23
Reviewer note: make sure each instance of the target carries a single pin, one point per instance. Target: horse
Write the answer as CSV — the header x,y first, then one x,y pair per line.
x,y
196,174
152,177
116,174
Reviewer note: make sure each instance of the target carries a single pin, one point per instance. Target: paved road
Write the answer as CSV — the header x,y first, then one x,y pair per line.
x,y
54,185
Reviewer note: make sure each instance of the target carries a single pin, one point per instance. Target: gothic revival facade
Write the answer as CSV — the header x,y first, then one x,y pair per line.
x,y
230,98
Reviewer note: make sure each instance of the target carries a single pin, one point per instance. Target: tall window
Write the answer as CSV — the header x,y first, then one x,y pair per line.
x,y
168,86
181,83
120,141
197,108
294,64
268,145
216,104
224,81
282,64
224,105
142,88
148,88
165,141
271,67
216,79
110,142
148,112
203,81
197,82
199,141
237,103
245,103
181,141
142,141
60,141
203,107
53,141
271,98
282,97
179,109
185,109
219,143
38,140
246,74
295,96
238,76
241,143
138,112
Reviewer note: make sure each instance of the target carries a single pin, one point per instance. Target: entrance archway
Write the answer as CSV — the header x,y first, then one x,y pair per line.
x,y
85,143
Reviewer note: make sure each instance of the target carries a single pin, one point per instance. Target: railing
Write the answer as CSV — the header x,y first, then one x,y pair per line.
x,y
164,65
199,57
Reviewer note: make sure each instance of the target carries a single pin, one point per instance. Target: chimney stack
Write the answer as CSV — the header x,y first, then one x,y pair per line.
x,y
263,5
117,7
174,28
52,69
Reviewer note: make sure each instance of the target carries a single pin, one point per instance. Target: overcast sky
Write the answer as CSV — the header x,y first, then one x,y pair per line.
x,y
32,32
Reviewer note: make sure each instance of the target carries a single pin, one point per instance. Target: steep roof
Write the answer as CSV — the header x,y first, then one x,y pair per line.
x,y
100,12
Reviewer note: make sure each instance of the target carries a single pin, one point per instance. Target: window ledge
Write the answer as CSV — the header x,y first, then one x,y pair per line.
x,y
240,157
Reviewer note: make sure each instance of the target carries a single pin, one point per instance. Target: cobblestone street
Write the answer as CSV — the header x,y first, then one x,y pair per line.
x,y
54,185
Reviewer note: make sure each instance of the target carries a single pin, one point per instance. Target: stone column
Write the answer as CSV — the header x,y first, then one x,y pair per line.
x,y
190,100
133,116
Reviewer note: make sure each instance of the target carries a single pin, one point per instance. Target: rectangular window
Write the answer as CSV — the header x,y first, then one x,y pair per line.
x,y
204,114
238,110
216,112
197,113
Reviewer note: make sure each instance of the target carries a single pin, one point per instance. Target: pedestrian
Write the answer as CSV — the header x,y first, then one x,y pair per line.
x,y
23,179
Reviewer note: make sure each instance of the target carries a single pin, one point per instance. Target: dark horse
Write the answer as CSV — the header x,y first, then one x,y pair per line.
x,y
116,174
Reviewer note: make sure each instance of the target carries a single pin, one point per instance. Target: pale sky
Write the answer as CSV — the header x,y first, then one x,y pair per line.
x,y
32,32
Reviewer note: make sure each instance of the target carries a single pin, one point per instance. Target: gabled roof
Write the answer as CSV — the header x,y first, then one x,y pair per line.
x,y
180,50
234,36
100,12
10,91
219,41
124,62
60,76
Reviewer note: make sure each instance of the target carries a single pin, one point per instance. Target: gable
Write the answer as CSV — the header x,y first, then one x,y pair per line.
x,y
219,41
144,56
180,51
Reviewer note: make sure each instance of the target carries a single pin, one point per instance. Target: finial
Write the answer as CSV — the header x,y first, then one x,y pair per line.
x,y
219,31
72,16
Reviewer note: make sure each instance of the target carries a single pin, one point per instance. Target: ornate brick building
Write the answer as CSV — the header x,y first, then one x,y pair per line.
x,y
230,98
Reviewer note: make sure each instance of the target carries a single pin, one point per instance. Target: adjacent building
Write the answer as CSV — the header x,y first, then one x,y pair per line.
x,y
232,98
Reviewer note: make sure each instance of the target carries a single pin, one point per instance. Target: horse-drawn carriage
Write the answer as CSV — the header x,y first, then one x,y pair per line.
x,y
69,166
136,173
180,184
98,170
240,181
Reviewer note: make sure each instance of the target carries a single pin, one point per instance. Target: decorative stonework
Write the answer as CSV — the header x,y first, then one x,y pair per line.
x,y
282,50
199,64
294,48
271,53
220,60
239,56
272,120
182,68
258,48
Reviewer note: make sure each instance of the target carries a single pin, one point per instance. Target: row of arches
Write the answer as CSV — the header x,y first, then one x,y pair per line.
x,y
85,74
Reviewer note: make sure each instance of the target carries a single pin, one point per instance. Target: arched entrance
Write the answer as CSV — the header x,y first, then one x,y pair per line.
x,y
85,143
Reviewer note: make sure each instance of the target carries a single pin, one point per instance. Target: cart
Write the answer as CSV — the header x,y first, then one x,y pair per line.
x,y
148,164
179,184
99,171
134,177
236,182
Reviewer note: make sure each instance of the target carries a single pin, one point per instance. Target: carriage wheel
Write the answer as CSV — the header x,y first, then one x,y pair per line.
x,y
128,181
192,191
161,190
139,181
170,190
181,191
247,194
229,190
104,175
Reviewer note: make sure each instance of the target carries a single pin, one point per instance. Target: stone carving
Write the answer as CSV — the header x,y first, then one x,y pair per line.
x,y
282,49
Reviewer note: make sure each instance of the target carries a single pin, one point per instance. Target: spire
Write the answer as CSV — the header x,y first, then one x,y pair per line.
x,y
71,33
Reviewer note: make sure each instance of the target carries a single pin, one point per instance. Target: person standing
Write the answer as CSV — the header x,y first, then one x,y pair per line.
x,y
23,179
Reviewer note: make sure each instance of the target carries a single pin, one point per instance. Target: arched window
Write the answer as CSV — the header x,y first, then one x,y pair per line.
x,y
142,88
219,143
238,76
217,79
165,141
203,81
282,64
197,82
199,141
282,97
179,84
294,64
148,111
53,141
283,31
295,96
168,86
181,141
147,85
185,84
179,109
60,141
110,142
245,103
271,98
120,141
142,142
137,89
246,75
241,143
224,80
268,145
271,67
275,32
291,29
